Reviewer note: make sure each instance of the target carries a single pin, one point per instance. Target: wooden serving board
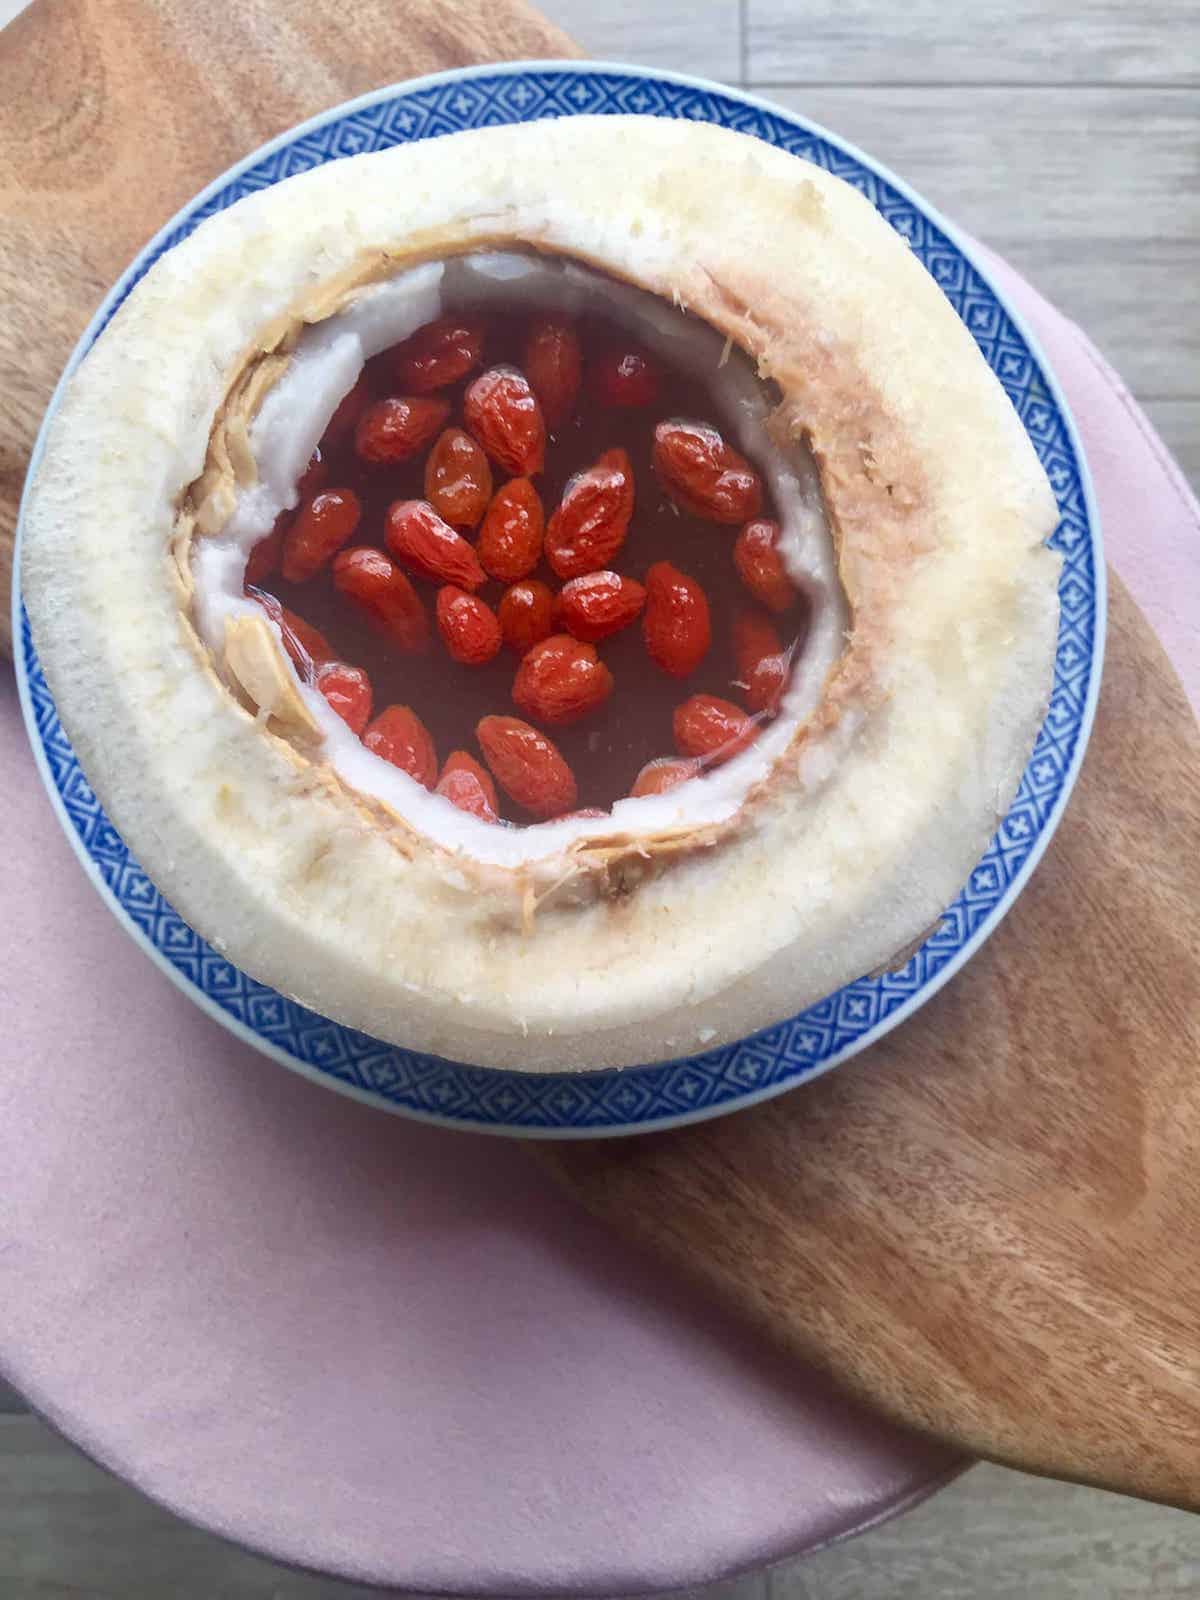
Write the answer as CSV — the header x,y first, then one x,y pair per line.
x,y
985,1225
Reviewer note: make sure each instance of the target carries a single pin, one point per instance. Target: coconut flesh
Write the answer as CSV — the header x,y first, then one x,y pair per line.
x,y
914,515
325,364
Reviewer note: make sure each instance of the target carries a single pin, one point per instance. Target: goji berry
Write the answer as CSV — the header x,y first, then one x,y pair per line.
x,y
307,646
399,736
349,409
440,353
599,604
469,628
503,413
263,560
754,636
348,690
676,626
458,480
656,777
625,378
387,598
756,557
468,786
714,729
767,684
525,615
510,541
319,529
592,519
561,680
703,474
315,474
527,765
762,662
416,535
395,429
554,365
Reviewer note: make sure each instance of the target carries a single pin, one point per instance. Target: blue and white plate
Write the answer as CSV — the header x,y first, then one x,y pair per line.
x,y
844,1023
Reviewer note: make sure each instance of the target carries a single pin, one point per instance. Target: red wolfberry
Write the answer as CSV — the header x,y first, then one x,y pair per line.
x,y
319,529
263,560
525,615
756,557
656,777
703,474
510,541
715,729
416,535
626,378
527,765
399,736
348,690
315,474
768,682
307,646
599,604
676,625
503,413
458,480
350,407
311,642
762,662
393,430
561,680
266,556
468,786
592,519
440,353
554,365
469,628
388,599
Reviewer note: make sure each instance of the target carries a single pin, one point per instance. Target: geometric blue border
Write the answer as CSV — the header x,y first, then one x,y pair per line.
x,y
825,1034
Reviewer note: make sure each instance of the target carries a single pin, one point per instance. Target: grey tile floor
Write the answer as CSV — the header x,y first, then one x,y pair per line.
x,y
1066,133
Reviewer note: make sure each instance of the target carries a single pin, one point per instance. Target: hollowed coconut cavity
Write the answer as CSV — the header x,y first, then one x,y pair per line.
x,y
643,363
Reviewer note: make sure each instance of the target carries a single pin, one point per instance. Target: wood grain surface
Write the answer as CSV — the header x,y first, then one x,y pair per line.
x,y
1022,42
987,1223
113,113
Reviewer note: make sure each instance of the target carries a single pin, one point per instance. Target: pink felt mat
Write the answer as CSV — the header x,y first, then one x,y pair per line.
x,y
390,1352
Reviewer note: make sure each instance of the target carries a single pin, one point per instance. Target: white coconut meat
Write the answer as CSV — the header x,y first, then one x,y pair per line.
x,y
684,920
